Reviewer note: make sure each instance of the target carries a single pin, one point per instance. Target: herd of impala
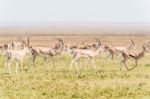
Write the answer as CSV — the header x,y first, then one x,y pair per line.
x,y
18,50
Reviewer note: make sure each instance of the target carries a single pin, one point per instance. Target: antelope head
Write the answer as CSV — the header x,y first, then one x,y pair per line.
x,y
25,44
59,43
145,48
98,44
131,45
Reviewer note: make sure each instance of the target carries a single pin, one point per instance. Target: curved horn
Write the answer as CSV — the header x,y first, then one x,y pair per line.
x,y
132,42
22,40
144,47
76,44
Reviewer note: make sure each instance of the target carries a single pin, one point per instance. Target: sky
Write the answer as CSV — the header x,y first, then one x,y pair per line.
x,y
24,12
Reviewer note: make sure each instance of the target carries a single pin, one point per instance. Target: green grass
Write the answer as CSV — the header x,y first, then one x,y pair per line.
x,y
60,83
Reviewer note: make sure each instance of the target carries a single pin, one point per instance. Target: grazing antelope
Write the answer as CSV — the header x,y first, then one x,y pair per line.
x,y
18,55
134,55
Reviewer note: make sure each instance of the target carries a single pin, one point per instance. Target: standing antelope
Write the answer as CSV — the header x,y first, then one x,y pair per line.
x,y
18,55
47,52
86,53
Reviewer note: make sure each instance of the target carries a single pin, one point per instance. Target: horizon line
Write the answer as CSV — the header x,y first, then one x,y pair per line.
x,y
72,23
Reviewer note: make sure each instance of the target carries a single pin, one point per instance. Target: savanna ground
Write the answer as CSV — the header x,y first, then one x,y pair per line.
x,y
47,81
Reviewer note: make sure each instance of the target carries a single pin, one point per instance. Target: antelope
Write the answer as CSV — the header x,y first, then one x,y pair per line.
x,y
86,53
115,50
46,52
125,55
18,55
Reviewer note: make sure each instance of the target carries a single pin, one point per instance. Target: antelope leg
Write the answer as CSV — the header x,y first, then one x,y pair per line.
x,y
77,65
134,66
21,65
53,62
126,66
17,66
94,65
9,68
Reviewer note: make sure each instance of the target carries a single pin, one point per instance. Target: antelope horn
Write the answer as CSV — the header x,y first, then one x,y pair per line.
x,y
76,44
132,41
28,42
144,46
22,40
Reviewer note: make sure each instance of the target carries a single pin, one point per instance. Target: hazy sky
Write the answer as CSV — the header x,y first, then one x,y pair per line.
x,y
45,11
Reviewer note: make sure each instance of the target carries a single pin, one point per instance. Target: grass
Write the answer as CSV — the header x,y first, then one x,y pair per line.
x,y
60,83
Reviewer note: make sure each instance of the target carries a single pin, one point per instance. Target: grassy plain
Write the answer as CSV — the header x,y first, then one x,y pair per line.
x,y
107,82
